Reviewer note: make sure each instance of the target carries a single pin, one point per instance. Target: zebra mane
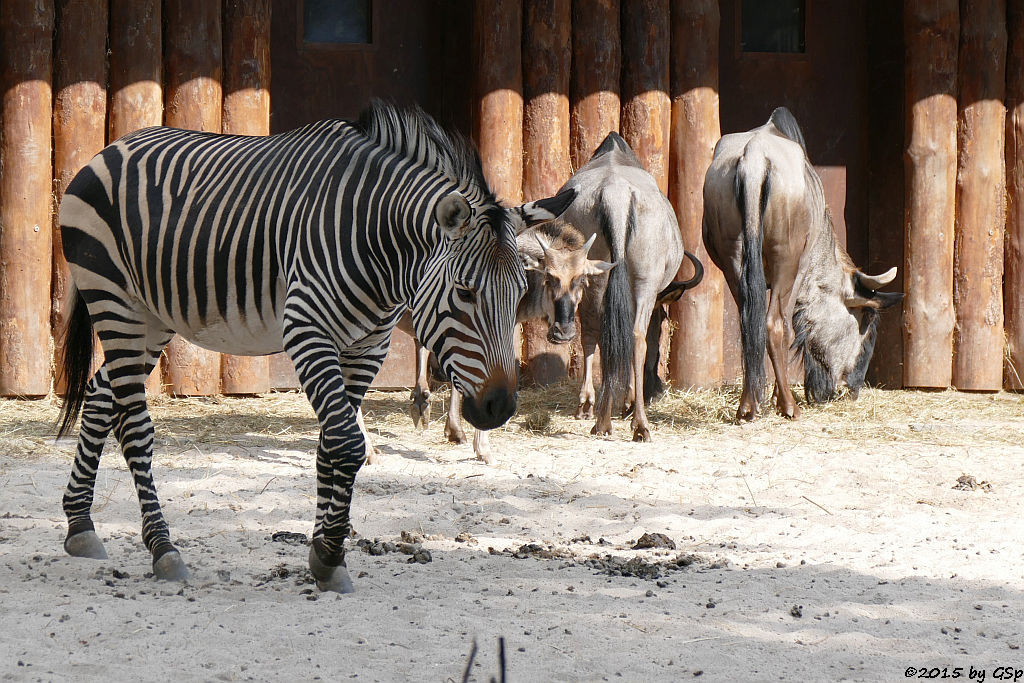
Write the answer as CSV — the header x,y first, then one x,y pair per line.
x,y
414,134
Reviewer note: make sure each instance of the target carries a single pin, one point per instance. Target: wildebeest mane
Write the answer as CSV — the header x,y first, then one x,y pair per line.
x,y
614,143
785,122
414,134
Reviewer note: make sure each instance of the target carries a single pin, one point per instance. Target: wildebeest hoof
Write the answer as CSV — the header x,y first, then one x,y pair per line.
x,y
456,436
170,567
419,410
641,435
486,457
793,413
745,414
601,430
585,411
329,579
85,544
372,456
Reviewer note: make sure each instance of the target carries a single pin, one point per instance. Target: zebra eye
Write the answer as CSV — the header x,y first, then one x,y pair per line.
x,y
465,294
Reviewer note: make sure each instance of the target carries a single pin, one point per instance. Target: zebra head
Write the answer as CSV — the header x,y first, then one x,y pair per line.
x,y
465,311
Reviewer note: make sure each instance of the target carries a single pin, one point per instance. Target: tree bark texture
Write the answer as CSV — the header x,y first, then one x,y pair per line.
x,y
192,94
547,55
646,107
932,38
246,112
26,253
696,357
79,127
980,197
596,70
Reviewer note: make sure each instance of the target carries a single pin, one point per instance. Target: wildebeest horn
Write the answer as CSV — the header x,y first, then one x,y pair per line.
x,y
676,289
589,243
877,281
543,247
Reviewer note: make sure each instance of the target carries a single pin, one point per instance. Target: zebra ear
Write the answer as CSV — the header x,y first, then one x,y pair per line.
x,y
544,210
453,213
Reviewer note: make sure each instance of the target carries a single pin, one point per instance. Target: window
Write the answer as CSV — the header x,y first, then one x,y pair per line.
x,y
772,25
337,22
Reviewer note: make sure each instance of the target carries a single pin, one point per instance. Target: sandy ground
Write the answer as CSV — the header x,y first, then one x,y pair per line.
x,y
838,547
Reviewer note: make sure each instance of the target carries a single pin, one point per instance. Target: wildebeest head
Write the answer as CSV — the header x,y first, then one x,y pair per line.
x,y
555,258
835,319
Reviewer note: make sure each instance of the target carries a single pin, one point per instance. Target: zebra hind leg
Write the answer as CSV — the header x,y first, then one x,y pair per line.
x,y
97,417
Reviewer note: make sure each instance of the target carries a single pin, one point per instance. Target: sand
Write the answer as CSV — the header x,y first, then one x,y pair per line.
x,y
862,540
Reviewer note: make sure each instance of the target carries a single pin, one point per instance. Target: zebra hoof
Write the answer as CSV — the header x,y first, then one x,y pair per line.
x,y
330,579
85,544
170,567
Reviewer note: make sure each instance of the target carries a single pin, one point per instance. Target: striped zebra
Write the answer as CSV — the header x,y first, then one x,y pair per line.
x,y
313,242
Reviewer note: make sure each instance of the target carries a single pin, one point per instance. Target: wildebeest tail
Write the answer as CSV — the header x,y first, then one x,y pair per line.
x,y
619,310
76,361
753,185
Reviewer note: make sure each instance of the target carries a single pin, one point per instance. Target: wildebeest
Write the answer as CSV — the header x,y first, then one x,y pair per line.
x,y
636,228
767,227
557,273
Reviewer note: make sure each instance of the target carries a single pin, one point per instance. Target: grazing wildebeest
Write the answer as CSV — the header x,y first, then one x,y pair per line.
x,y
557,273
767,227
636,228
313,241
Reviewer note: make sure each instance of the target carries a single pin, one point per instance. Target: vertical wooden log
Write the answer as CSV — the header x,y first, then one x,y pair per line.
x,y
1013,296
136,94
498,34
192,99
596,70
980,197
26,54
547,54
246,112
696,358
79,124
931,32
646,108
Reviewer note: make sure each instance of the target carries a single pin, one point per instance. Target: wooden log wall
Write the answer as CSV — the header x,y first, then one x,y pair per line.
x,y
26,253
980,197
547,54
136,85
696,356
192,99
596,70
932,32
79,125
246,112
1013,280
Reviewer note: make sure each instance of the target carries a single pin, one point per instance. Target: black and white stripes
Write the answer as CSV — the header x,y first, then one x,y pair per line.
x,y
313,241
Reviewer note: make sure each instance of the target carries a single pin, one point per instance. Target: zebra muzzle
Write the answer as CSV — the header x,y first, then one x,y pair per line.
x,y
493,404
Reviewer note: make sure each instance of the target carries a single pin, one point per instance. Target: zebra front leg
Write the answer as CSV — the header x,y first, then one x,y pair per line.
x,y
97,418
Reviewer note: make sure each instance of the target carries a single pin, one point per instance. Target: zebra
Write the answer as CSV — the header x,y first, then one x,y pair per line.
x,y
314,242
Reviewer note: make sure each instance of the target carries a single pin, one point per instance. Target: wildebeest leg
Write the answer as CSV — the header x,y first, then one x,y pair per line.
x,y
748,408
777,352
453,425
641,428
419,409
371,452
585,410
482,447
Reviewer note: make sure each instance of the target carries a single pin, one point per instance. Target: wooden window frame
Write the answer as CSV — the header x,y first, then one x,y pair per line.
x,y
305,46
783,57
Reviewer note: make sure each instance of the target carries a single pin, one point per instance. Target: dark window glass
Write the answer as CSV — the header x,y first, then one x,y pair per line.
x,y
773,25
336,21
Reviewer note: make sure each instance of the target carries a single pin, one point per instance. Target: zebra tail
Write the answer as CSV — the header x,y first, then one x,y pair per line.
x,y
752,197
619,308
76,361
